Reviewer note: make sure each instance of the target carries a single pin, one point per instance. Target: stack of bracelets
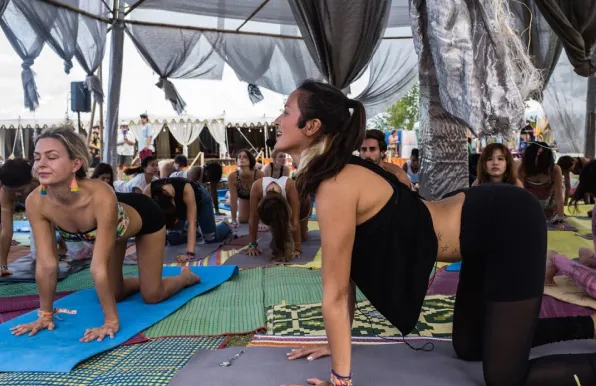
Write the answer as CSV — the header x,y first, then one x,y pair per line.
x,y
338,380
253,245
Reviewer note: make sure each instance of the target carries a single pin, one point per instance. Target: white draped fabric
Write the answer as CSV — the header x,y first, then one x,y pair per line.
x,y
186,133
217,129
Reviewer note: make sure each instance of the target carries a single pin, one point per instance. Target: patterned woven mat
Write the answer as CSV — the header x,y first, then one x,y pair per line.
x,y
299,341
234,307
152,363
74,282
436,319
294,286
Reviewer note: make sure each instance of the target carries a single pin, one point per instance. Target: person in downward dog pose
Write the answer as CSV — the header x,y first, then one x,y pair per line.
x,y
240,183
16,183
275,202
103,217
373,149
186,203
496,165
366,243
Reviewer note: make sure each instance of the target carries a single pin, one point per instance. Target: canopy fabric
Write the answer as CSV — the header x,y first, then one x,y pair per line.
x,y
274,12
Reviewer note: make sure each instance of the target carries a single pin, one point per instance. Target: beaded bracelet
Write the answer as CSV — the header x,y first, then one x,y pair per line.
x,y
338,380
253,245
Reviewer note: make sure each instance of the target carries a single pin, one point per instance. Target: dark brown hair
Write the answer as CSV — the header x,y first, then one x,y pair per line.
x,y
509,177
379,136
341,133
140,169
103,168
275,212
587,182
533,163
16,173
252,161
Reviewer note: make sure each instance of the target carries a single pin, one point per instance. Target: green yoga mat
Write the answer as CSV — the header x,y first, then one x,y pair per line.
x,y
294,286
74,282
234,307
151,363
567,243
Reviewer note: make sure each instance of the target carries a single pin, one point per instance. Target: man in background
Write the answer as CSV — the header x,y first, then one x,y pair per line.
x,y
125,148
374,148
146,148
95,147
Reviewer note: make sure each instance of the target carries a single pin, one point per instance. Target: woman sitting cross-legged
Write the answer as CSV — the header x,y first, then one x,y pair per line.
x,y
89,210
185,204
584,272
379,236
275,202
496,165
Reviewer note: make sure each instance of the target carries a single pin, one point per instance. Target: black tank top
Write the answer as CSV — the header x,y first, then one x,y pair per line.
x,y
394,253
178,183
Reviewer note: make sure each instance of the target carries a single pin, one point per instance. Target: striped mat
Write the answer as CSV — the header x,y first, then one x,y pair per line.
x,y
152,363
234,307
299,341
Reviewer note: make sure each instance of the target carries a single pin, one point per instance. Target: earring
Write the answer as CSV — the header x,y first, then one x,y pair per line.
x,y
43,191
74,187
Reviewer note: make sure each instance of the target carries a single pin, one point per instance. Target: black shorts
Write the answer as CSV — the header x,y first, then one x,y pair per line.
x,y
124,160
152,217
503,242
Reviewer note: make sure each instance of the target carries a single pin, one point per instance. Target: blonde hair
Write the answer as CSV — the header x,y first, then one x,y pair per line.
x,y
74,143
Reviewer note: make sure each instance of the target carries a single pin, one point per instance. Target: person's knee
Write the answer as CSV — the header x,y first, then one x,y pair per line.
x,y
467,351
152,296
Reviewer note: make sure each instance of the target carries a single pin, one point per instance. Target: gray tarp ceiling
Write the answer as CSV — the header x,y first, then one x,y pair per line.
x,y
275,11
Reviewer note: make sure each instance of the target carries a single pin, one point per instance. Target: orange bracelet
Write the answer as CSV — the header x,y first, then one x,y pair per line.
x,y
45,314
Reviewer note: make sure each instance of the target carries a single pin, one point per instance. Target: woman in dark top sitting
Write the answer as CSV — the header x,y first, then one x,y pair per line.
x,y
240,183
185,204
378,235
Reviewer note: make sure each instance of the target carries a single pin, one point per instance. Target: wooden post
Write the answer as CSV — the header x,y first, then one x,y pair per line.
x,y
590,145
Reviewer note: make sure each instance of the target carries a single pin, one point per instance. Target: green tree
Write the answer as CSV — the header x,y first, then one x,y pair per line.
x,y
404,113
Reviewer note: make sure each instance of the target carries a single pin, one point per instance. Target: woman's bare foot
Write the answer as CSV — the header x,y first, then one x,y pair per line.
x,y
551,270
190,278
586,257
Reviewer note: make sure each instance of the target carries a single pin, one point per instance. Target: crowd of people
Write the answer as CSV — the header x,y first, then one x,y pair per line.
x,y
377,233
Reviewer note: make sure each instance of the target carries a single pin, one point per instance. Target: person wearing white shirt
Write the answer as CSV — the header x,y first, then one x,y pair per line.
x,y
145,137
144,175
125,147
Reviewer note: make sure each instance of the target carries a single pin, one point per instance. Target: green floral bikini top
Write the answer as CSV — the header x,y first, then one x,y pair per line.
x,y
91,235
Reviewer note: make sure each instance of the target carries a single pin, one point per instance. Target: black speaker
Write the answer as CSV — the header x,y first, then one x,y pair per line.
x,y
80,98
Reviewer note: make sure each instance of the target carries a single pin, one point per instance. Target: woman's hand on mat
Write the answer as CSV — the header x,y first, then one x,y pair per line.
x,y
315,381
311,352
42,323
99,333
254,252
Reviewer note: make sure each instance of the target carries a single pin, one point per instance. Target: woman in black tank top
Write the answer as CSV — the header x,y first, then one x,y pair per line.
x,y
378,235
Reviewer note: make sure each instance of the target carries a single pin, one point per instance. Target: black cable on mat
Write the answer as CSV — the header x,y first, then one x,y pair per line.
x,y
403,339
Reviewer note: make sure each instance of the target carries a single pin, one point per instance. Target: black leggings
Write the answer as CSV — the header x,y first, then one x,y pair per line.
x,y
503,246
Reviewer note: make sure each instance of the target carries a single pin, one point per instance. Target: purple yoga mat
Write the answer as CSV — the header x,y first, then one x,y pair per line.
x,y
445,283
378,365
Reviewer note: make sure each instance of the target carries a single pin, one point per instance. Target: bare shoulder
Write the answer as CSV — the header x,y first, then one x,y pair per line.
x,y
260,174
100,191
232,177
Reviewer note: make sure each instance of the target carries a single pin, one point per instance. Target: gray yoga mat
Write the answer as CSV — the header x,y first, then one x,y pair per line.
x,y
23,269
389,364
201,251
310,247
568,227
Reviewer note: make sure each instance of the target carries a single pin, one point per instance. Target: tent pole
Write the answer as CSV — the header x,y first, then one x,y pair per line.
x,y
590,145
114,86
101,123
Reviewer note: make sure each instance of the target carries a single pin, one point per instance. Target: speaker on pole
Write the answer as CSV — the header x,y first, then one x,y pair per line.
x,y
80,98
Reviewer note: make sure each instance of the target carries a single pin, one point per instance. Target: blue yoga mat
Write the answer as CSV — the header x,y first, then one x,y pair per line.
x,y
455,267
21,226
60,350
